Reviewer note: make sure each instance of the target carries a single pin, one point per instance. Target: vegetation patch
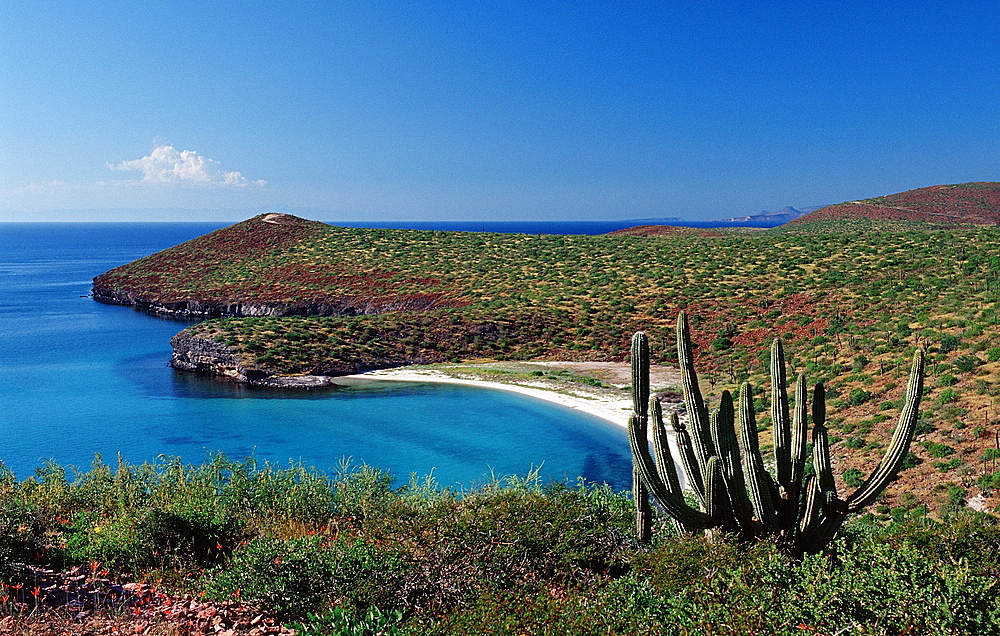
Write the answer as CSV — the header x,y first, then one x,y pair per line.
x,y
352,553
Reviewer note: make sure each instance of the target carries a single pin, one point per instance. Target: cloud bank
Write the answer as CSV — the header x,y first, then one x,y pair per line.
x,y
166,165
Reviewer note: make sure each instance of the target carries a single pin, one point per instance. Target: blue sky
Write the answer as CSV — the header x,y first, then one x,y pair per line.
x,y
488,110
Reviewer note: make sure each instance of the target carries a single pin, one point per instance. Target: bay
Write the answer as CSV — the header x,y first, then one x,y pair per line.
x,y
79,378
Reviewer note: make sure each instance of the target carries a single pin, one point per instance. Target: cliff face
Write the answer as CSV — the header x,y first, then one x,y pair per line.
x,y
205,355
196,308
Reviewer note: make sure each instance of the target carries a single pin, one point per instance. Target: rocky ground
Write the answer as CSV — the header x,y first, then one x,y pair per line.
x,y
84,602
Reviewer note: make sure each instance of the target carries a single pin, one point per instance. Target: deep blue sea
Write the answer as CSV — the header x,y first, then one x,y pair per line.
x,y
79,378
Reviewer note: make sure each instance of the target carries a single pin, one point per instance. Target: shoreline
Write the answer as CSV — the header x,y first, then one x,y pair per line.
x,y
613,410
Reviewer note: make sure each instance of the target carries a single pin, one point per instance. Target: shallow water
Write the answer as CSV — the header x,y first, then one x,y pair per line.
x,y
79,378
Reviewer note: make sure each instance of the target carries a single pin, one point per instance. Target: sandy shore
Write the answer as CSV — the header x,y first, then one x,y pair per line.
x,y
608,407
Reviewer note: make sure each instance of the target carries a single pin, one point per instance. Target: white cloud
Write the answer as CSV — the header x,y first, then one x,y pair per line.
x,y
167,165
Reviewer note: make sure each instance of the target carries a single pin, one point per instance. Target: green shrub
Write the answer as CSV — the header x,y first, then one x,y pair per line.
x,y
949,343
292,577
947,396
853,477
858,396
965,364
910,461
947,380
344,622
855,442
185,535
938,450
951,464
20,541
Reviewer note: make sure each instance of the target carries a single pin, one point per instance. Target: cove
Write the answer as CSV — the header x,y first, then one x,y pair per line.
x,y
79,378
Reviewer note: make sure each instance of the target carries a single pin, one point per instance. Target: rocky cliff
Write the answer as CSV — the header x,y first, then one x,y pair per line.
x,y
209,308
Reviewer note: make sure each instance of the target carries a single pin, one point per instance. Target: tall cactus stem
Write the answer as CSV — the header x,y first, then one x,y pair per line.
x,y
759,482
665,467
800,434
779,418
697,411
892,461
689,462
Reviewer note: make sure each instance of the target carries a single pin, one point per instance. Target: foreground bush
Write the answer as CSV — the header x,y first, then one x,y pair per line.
x,y
352,554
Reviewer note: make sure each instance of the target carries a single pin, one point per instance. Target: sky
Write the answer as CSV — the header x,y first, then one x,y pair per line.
x,y
482,110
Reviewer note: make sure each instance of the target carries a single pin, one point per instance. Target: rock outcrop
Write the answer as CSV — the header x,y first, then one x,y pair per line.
x,y
203,309
204,355
207,355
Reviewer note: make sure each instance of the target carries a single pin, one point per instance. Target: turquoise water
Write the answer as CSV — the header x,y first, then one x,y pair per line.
x,y
79,378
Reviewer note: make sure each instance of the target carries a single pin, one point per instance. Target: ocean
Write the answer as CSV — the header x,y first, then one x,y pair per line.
x,y
80,378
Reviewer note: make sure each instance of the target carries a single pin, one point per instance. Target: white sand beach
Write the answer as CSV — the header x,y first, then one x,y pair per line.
x,y
604,405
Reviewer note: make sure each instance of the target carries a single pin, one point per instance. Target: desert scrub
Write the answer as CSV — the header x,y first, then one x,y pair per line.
x,y
512,556
293,577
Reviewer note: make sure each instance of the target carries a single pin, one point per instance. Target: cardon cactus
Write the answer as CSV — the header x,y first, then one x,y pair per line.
x,y
725,473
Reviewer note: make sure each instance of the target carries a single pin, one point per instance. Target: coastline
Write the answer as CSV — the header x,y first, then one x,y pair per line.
x,y
604,404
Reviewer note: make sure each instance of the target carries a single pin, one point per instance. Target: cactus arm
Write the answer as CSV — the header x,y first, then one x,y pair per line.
x,y
900,444
718,504
696,410
674,505
787,496
821,455
640,373
779,418
665,467
813,505
724,433
800,435
834,513
759,482
819,404
640,395
821,447
688,461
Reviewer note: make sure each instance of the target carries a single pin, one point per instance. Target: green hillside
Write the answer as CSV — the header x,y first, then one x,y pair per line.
x,y
850,308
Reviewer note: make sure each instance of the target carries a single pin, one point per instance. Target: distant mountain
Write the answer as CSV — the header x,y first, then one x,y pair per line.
x,y
763,220
956,205
771,219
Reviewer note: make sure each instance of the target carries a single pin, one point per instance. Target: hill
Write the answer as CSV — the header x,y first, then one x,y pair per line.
x,y
941,206
255,268
670,230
